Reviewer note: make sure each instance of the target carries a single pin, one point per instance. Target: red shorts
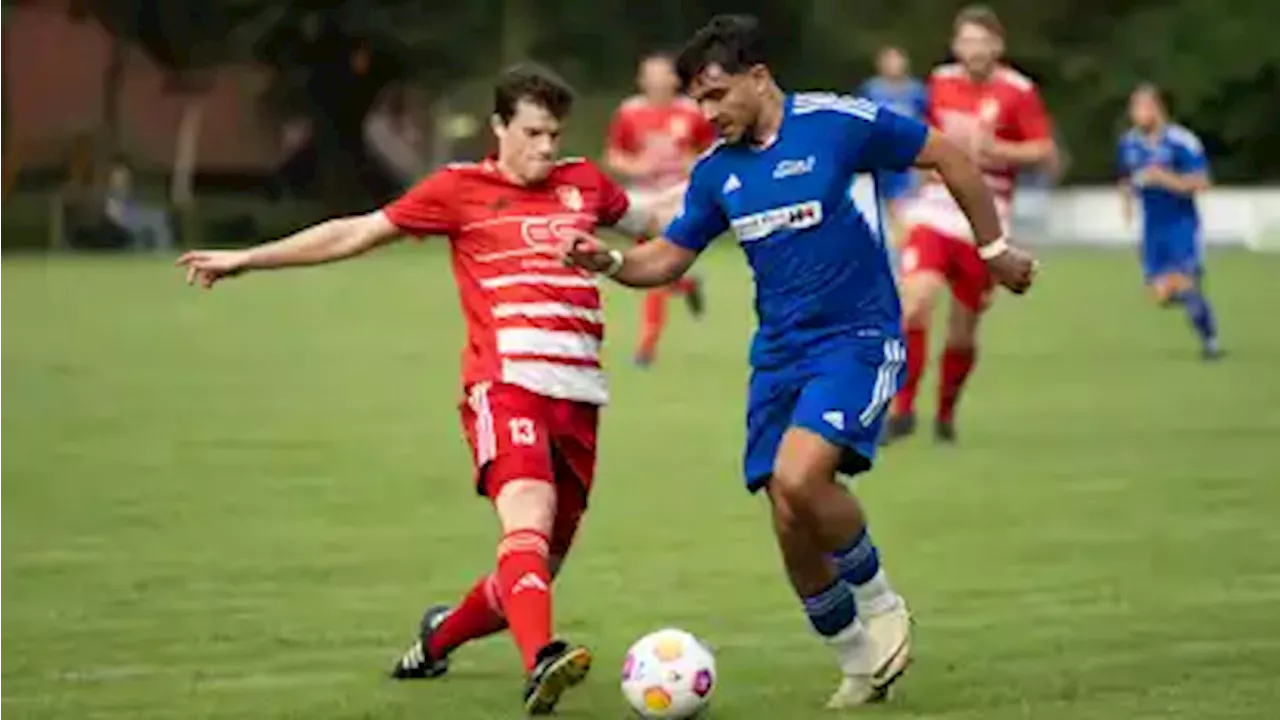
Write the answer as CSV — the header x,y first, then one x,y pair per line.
x,y
517,434
956,259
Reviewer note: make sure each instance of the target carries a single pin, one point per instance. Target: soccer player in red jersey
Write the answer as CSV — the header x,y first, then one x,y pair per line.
x,y
653,140
996,112
532,378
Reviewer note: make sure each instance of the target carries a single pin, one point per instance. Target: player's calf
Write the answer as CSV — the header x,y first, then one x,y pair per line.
x,y
958,360
920,291
834,565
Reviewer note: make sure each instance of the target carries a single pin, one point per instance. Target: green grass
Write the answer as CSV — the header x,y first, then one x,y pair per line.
x,y
235,504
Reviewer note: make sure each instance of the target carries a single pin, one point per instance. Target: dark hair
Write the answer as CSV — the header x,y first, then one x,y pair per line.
x,y
731,41
982,16
533,83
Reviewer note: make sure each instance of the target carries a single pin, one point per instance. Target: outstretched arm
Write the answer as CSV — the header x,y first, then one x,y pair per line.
x,y
325,242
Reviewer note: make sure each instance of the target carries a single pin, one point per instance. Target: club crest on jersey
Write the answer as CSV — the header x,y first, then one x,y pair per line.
x,y
570,197
761,225
989,110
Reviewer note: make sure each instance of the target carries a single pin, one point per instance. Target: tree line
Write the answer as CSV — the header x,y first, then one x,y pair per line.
x,y
1215,59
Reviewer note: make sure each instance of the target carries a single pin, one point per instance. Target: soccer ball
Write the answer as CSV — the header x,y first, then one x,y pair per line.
x,y
668,674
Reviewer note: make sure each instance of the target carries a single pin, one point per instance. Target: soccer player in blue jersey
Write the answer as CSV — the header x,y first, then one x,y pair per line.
x,y
828,351
895,88
1164,166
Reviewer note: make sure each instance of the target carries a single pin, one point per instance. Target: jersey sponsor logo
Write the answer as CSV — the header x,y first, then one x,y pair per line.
x,y
570,197
790,217
791,168
541,231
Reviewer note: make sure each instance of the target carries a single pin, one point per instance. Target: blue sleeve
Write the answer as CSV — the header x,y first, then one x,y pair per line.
x,y
893,142
700,220
1123,171
1191,157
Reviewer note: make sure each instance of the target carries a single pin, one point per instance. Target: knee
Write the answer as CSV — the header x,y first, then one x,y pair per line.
x,y
918,294
526,505
792,492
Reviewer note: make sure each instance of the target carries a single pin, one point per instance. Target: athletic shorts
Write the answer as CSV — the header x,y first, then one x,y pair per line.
x,y
956,259
1170,251
840,394
517,434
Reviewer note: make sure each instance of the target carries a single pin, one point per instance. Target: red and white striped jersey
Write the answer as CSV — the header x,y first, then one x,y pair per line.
x,y
530,321
1005,106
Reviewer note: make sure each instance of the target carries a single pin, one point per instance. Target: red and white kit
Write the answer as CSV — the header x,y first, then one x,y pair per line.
x,y
665,137
531,367
1006,107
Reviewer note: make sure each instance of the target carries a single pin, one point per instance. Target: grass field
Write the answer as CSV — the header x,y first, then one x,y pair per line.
x,y
234,505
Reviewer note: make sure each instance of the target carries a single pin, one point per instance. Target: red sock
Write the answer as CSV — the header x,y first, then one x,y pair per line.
x,y
957,363
684,285
917,355
525,583
478,615
655,316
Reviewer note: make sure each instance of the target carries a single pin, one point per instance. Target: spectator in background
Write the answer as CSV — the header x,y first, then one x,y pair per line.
x,y
147,226
392,139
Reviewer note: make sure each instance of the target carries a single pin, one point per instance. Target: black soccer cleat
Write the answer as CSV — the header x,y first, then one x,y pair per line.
x,y
417,663
560,667
898,427
944,431
695,298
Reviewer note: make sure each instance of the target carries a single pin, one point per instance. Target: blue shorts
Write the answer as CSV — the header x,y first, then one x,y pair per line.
x,y
841,395
896,185
1169,252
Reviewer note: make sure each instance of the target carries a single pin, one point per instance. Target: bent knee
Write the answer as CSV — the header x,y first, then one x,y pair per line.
x,y
526,505
919,294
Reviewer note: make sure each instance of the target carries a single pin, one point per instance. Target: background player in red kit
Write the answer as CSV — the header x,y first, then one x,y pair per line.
x,y
531,366
997,113
653,141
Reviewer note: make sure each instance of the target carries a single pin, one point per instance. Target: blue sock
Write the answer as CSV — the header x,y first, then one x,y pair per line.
x,y
1201,316
859,561
831,610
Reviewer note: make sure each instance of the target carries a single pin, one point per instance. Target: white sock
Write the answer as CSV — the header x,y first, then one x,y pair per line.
x,y
876,595
851,645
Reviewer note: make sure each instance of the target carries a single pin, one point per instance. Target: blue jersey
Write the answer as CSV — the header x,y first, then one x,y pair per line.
x,y
1170,221
1176,149
822,275
905,97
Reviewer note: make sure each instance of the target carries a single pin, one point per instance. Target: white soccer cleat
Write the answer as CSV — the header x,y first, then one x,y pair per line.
x,y
873,654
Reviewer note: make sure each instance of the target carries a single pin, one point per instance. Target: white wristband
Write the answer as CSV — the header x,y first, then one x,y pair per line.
x,y
615,263
994,249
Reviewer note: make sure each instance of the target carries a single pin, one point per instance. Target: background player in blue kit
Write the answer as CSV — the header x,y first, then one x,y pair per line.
x,y
895,88
1164,165
828,350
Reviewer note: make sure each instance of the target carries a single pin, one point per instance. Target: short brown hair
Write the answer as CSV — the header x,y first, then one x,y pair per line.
x,y
982,16
535,84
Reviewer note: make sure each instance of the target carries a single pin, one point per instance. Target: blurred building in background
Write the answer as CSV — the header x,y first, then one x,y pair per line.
x,y
221,104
